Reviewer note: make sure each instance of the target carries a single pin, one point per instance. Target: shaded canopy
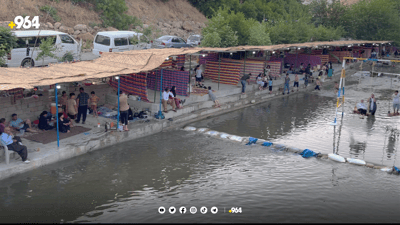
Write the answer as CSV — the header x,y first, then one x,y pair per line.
x,y
117,63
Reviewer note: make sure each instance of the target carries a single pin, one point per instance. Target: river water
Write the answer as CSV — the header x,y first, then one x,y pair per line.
x,y
130,181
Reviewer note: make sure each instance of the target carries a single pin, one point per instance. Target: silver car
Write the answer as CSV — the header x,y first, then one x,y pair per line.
x,y
195,40
168,41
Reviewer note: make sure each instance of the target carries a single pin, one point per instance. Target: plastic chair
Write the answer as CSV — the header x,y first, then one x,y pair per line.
x,y
7,152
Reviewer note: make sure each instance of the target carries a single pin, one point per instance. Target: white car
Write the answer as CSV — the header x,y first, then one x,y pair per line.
x,y
116,41
27,49
195,40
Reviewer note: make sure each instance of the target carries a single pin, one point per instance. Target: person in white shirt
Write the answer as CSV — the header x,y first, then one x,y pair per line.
x,y
166,100
198,75
396,102
14,144
362,108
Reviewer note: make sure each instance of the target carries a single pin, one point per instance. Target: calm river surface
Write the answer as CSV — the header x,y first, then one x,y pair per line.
x,y
130,181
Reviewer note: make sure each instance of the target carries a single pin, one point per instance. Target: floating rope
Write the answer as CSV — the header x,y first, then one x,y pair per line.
x,y
267,143
307,153
252,141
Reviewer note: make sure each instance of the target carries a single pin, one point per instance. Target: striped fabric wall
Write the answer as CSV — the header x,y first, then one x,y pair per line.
x,y
229,73
303,58
213,57
180,60
133,84
167,63
253,66
177,78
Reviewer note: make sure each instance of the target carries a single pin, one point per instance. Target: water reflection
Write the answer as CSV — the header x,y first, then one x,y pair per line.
x,y
370,124
392,139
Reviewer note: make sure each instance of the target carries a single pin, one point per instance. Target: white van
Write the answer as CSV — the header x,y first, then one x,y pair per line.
x,y
25,53
116,41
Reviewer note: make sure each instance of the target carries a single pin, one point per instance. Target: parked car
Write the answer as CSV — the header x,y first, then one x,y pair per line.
x,y
168,41
116,41
27,49
194,40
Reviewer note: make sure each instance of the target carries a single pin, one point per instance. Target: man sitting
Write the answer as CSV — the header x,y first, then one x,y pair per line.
x,y
14,144
362,108
18,124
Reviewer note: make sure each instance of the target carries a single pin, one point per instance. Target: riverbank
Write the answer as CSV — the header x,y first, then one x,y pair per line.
x,y
198,108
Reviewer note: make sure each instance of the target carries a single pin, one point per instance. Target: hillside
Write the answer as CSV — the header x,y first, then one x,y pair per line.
x,y
175,17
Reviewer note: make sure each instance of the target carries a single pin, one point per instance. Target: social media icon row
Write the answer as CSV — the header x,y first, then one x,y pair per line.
x,y
182,210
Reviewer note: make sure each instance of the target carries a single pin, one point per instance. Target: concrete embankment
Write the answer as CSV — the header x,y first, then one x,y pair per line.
x,y
198,109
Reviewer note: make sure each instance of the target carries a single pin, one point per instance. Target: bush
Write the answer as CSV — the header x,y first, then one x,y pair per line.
x,y
88,44
51,11
7,42
113,14
68,57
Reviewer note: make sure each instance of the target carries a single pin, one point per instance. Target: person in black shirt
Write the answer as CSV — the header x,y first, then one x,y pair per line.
x,y
44,122
82,102
243,81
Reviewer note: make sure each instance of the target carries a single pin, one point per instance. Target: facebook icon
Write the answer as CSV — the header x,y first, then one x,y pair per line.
x,y
182,210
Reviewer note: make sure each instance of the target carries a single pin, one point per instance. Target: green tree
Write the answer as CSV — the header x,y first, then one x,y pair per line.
x,y
7,42
47,49
219,24
211,40
373,20
114,14
258,35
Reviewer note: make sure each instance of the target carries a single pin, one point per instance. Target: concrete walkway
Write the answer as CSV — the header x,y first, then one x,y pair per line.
x,y
199,107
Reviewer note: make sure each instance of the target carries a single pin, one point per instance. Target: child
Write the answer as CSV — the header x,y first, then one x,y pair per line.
x,y
296,82
213,98
63,101
93,103
317,83
270,85
72,108
336,87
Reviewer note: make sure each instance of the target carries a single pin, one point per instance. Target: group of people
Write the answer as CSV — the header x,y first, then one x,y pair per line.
x,y
363,109
169,97
14,143
264,81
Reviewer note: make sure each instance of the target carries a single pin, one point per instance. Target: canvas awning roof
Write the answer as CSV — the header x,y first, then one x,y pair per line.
x,y
118,63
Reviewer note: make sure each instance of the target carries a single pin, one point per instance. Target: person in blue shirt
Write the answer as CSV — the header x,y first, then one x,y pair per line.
x,y
18,124
14,144
287,80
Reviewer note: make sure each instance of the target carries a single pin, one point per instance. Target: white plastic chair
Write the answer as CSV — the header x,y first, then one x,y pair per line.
x,y
7,152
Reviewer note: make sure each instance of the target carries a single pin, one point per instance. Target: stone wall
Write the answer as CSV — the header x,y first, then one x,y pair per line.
x,y
30,108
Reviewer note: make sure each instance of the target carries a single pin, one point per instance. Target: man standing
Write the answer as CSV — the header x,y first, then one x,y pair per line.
x,y
243,81
13,144
287,80
82,103
199,74
372,105
396,102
